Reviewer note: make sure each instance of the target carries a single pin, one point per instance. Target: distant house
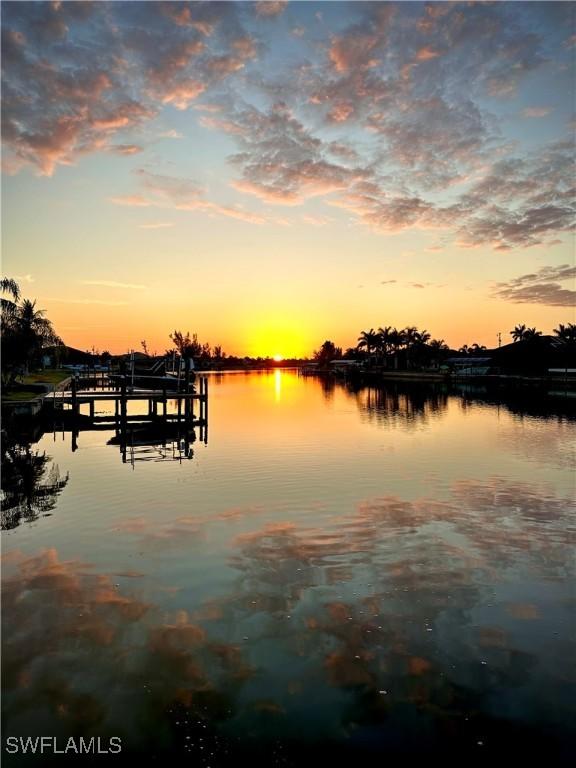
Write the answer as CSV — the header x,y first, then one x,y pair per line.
x,y
345,367
533,357
469,366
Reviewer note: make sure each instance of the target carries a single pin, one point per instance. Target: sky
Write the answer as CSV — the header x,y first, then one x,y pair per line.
x,y
270,175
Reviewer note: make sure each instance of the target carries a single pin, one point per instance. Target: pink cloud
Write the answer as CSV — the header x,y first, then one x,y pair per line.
x,y
245,47
131,200
340,112
182,195
536,111
351,51
270,8
181,15
426,54
182,94
214,123
219,66
126,149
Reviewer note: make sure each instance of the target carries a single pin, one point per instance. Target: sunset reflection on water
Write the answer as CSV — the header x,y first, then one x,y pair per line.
x,y
337,573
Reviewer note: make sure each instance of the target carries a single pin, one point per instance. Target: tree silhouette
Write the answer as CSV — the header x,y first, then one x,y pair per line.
x,y
517,332
566,335
327,352
186,346
31,483
10,287
369,340
531,333
25,332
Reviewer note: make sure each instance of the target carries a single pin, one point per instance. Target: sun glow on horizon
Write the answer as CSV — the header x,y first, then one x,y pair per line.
x,y
278,358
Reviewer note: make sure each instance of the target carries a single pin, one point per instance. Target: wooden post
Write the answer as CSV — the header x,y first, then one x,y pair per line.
x,y
74,395
164,404
123,397
187,387
92,404
202,399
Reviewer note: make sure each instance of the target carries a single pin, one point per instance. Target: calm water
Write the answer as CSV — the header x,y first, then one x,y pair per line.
x,y
334,575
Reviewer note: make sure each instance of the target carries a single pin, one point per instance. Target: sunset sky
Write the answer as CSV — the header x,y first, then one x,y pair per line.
x,y
270,175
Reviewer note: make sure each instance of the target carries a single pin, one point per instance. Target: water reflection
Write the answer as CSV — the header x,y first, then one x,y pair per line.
x,y
281,600
154,441
31,482
402,404
388,631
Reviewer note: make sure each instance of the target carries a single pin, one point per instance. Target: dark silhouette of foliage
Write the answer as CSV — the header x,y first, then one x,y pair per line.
x,y
31,483
327,352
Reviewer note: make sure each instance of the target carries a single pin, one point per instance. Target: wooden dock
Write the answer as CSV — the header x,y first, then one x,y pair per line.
x,y
180,420
121,396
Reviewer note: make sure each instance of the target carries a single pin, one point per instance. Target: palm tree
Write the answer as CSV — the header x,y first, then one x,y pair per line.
x,y
410,335
9,306
34,330
370,340
566,334
422,337
31,482
518,333
412,339
8,285
385,343
531,333
25,332
438,345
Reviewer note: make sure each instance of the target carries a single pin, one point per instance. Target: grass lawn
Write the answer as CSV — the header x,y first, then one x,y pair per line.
x,y
22,395
49,376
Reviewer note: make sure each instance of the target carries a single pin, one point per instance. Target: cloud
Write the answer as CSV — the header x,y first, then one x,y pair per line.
x,y
352,51
171,134
126,149
270,8
113,284
157,225
536,111
521,201
182,94
181,194
391,115
387,282
75,81
24,278
137,201
542,287
217,124
280,161
426,54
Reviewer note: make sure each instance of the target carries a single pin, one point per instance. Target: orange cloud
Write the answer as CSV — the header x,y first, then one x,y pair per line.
x,y
181,94
426,54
